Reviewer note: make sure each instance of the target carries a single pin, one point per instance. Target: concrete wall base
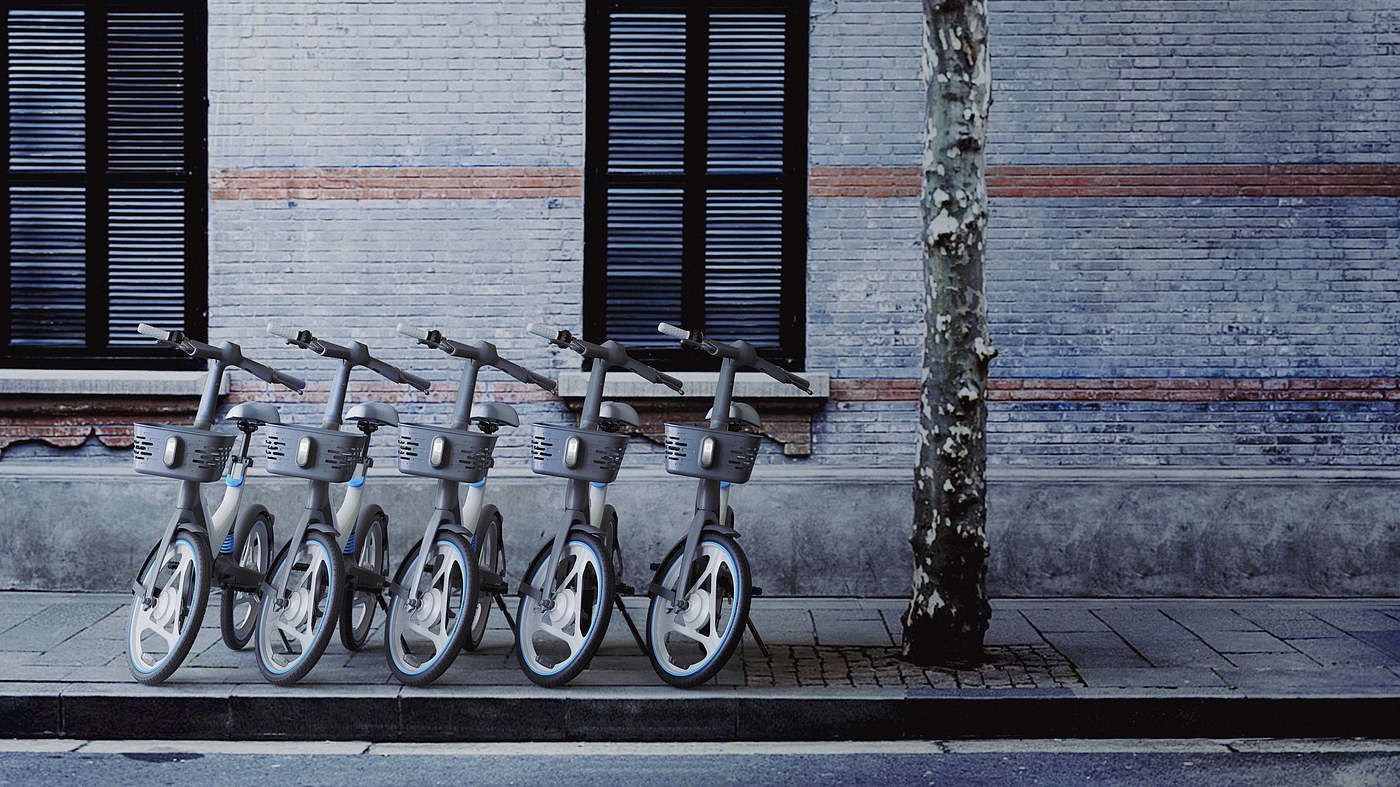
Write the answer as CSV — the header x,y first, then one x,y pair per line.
x,y
1054,533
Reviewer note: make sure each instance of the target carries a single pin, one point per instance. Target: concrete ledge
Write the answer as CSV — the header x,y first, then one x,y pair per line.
x,y
698,385
83,382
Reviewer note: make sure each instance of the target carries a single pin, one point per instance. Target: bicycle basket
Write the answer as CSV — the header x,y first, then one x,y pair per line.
x,y
449,454
330,455
595,456
729,457
180,452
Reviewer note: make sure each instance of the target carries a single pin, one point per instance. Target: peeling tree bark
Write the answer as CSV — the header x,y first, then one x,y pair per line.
x,y
948,611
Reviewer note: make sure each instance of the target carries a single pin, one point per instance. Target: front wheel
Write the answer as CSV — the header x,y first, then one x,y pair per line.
x,y
424,638
691,645
163,629
559,635
370,551
293,634
238,611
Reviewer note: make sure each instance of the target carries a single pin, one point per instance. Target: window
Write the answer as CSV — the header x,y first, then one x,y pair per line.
x,y
695,190
104,184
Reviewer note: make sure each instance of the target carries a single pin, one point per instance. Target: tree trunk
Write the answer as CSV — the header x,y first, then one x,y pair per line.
x,y
948,612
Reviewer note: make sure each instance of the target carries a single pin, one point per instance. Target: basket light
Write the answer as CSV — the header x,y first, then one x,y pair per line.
x,y
573,451
306,451
438,455
709,452
172,451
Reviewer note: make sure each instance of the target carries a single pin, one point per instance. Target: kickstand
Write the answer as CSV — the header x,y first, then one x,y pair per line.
x,y
754,631
641,643
500,602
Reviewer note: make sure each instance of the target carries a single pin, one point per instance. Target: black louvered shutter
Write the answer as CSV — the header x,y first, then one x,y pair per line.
x,y
104,184
695,207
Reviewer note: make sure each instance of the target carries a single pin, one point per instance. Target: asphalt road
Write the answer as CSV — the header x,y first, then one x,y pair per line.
x,y
964,764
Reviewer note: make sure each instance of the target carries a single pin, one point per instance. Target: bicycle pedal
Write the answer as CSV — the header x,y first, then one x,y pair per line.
x,y
495,588
655,566
626,590
756,591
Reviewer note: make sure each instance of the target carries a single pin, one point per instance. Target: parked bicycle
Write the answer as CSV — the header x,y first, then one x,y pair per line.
x,y
172,588
701,594
446,584
314,583
570,587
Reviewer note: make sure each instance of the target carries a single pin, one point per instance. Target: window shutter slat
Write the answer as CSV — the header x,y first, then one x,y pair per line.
x,y
744,265
146,252
745,93
646,92
48,266
146,92
644,248
47,90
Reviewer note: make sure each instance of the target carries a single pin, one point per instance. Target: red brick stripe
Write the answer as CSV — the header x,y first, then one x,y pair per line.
x,y
1204,180
396,183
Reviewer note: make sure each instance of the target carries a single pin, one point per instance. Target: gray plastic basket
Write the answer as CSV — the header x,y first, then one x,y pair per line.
x,y
331,457
464,456
180,452
733,453
599,453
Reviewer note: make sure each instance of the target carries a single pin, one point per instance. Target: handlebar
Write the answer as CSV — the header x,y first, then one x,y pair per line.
x,y
227,353
610,351
357,354
483,352
741,351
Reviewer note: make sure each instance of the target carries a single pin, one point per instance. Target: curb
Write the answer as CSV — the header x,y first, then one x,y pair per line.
x,y
442,715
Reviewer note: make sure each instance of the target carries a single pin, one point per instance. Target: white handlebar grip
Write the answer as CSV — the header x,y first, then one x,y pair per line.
x,y
673,332
542,331
153,332
286,333
416,333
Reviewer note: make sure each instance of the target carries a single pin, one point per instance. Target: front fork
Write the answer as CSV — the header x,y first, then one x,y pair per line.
x,y
446,516
704,520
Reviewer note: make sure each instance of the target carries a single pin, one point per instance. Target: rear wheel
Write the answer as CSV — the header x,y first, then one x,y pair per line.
x,y
559,635
491,559
690,645
292,635
238,610
370,552
425,637
163,628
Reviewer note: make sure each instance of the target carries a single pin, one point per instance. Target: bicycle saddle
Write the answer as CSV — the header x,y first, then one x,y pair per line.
x,y
739,413
375,413
259,412
490,416
612,416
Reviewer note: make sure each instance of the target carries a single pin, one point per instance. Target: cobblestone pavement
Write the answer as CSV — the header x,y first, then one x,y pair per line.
x,y
1005,666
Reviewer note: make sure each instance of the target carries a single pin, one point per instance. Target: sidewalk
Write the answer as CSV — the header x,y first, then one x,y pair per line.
x,y
1055,668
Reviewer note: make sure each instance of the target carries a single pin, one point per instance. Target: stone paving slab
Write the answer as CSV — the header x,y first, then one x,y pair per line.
x,y
833,669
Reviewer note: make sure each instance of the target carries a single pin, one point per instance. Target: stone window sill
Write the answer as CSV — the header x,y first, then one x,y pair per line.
x,y
787,412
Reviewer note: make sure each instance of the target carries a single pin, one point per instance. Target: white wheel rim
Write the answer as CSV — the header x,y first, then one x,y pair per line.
x,y
296,624
685,641
154,632
550,639
428,628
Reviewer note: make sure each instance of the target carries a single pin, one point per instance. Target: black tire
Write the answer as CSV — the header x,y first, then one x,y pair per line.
x,y
181,595
317,586
370,551
582,602
238,611
490,556
423,642
719,595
